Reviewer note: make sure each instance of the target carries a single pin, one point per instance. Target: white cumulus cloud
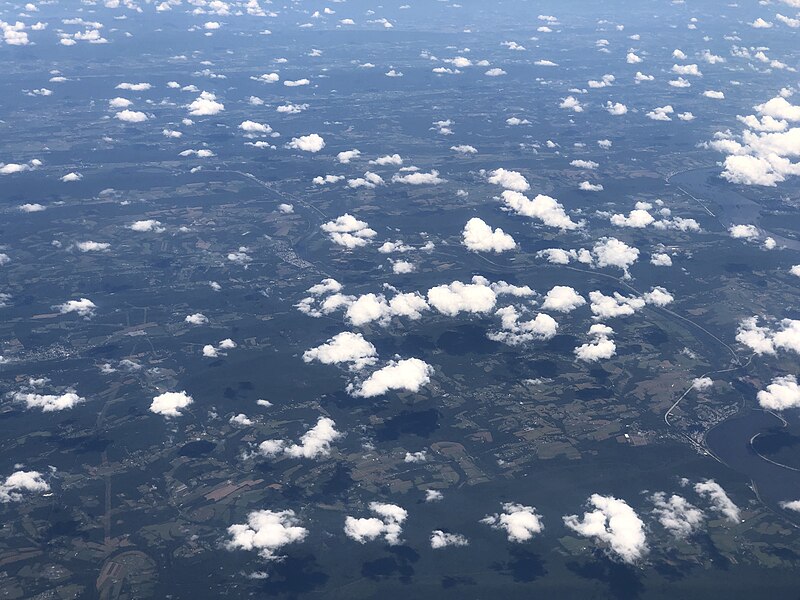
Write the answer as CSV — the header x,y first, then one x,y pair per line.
x,y
783,393
266,532
548,210
308,143
562,298
345,347
83,307
676,514
479,237
511,180
404,375
387,524
170,404
720,502
520,522
612,522
442,539
16,485
205,105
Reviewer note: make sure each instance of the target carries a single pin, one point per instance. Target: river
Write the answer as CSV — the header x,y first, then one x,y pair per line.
x,y
732,441
722,201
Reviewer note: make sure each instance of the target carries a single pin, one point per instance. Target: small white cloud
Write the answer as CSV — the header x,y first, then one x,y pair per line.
x,y
49,402
515,332
119,103
433,496
441,539
759,339
788,21
348,231
661,113
616,305
403,375
370,180
308,143
661,260
131,116
611,252
451,299
240,420
326,286
419,178
633,59
170,404
782,394
240,256
267,78
255,128
387,524
520,522
720,502
415,457
266,532
402,267
584,164
83,307
291,109
637,219
692,70
134,87
205,105
544,208
658,296
614,523
601,346
347,156
562,298
702,383
616,108
676,514
387,160
511,180
571,103
196,319
345,347
743,231
147,225
479,237
16,485
605,81
314,443
90,246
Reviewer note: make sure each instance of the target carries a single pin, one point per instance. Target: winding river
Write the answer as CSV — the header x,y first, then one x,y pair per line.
x,y
755,444
722,201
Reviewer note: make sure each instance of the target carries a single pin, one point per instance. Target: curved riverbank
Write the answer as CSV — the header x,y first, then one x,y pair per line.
x,y
733,442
